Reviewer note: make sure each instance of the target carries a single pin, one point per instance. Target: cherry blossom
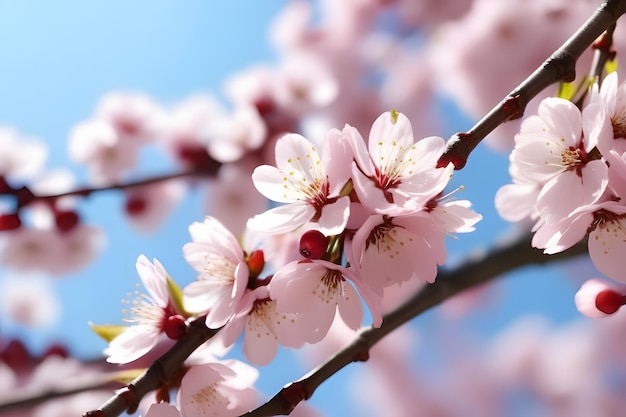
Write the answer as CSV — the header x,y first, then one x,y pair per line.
x,y
223,274
20,158
147,206
312,186
238,200
230,137
604,222
132,115
317,290
264,328
392,250
218,389
183,129
394,174
29,301
554,150
611,103
149,315
96,144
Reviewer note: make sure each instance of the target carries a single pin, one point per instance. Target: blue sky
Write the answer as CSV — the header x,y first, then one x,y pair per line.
x,y
59,58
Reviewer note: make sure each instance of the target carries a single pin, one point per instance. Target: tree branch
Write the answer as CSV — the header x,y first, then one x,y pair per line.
x,y
449,283
560,66
162,370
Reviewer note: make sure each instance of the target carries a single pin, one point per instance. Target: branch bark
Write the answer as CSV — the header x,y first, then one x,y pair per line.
x,y
474,272
560,66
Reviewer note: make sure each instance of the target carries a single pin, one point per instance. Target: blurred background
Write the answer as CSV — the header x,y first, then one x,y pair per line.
x,y
58,60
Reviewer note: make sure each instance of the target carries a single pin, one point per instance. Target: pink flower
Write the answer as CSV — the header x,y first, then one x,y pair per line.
x,y
147,206
149,315
96,144
391,250
223,274
554,150
29,301
605,223
263,327
611,104
20,158
310,185
394,173
162,410
132,115
218,389
316,290
230,137
238,199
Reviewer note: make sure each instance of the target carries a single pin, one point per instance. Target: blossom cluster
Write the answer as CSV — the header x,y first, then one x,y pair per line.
x,y
358,218
568,168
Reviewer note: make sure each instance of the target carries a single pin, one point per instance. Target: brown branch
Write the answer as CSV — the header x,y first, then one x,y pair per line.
x,y
449,283
26,397
560,66
25,196
162,370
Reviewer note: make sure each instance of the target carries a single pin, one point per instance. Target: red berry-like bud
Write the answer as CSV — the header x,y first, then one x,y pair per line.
x,y
56,350
15,355
313,244
255,262
10,221
175,327
135,205
66,220
609,301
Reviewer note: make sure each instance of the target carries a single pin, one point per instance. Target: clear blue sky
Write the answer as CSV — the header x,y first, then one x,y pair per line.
x,y
59,58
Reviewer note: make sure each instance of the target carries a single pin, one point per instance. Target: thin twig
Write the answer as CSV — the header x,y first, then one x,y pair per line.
x,y
560,66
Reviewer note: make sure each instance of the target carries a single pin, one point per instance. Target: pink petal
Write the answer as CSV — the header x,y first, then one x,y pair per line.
x,y
282,219
335,217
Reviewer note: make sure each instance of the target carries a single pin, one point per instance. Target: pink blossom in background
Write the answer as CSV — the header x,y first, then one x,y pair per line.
x,y
133,116
231,136
183,128
462,51
29,301
96,144
20,158
239,200
147,206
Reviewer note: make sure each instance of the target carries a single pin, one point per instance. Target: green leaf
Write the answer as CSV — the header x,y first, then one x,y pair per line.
x,y
107,331
611,66
567,90
176,295
126,376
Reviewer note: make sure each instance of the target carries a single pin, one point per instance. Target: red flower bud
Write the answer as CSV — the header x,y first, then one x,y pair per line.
x,y
313,244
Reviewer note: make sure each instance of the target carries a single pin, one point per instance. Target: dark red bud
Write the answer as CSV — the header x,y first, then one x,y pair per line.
x,y
255,262
10,221
175,327
66,220
609,301
313,244
135,205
